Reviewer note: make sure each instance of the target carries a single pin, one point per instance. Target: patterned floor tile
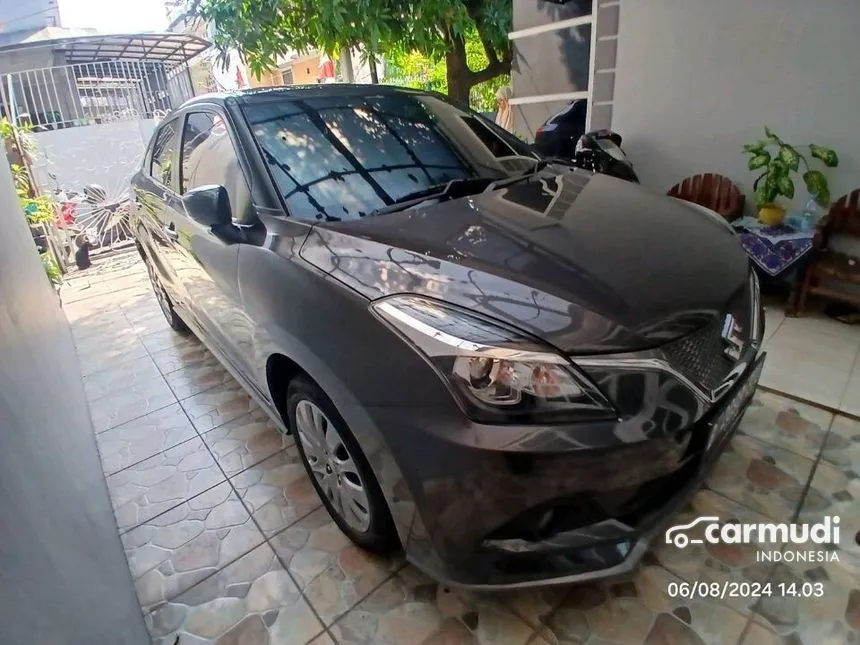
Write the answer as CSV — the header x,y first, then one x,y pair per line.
x,y
277,491
119,377
640,610
714,562
159,483
834,617
535,606
217,406
787,424
323,639
167,339
174,551
139,304
334,574
243,442
95,360
131,402
144,437
175,358
250,602
115,342
763,477
836,492
152,322
198,377
410,608
842,446
98,326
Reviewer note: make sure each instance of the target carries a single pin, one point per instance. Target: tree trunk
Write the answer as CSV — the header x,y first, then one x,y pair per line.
x,y
346,65
457,71
374,74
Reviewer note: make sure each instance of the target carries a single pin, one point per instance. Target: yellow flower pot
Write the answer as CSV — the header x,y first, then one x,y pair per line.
x,y
771,214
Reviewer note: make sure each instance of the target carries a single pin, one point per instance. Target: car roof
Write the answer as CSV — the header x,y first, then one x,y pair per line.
x,y
265,94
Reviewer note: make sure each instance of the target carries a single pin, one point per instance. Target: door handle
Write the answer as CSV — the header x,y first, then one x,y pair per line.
x,y
170,232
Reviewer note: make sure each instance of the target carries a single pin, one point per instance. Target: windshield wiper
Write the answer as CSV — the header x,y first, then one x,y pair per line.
x,y
436,191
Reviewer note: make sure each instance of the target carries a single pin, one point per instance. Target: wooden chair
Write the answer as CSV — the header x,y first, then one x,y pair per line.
x,y
826,263
711,191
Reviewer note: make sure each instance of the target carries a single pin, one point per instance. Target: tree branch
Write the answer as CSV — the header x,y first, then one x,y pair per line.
x,y
492,56
492,70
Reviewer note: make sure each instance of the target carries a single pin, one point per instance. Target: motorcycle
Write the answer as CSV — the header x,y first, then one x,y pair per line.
x,y
563,138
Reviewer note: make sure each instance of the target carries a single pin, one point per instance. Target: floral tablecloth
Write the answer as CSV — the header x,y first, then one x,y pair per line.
x,y
774,249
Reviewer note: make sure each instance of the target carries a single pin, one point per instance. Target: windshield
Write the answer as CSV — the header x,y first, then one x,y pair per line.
x,y
342,157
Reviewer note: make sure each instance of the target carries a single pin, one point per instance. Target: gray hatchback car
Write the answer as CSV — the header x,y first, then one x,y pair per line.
x,y
513,370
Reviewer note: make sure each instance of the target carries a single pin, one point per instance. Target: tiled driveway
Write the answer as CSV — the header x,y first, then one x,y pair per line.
x,y
227,542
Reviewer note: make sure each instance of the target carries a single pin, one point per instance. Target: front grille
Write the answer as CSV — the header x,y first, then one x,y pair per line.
x,y
700,357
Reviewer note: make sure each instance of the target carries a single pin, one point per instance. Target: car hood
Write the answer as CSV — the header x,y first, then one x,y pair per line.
x,y
588,263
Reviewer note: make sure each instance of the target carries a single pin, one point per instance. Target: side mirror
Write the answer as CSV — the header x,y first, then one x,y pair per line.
x,y
208,205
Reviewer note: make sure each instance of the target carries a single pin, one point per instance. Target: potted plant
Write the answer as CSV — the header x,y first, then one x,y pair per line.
x,y
778,160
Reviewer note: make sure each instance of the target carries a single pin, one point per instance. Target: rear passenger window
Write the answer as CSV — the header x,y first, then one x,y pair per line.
x,y
162,154
209,158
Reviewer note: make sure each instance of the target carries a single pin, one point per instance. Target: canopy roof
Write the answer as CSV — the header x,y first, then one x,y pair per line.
x,y
168,48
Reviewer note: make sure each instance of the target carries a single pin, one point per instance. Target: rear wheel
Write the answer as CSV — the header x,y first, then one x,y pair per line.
x,y
338,468
176,323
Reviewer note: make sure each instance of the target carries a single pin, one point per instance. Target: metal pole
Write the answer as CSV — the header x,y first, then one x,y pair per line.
x,y
34,118
74,94
13,107
59,107
191,91
147,87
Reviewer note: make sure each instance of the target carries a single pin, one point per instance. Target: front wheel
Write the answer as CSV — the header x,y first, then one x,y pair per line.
x,y
338,469
176,323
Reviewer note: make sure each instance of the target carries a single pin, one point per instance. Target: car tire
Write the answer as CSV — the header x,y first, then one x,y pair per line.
x,y
164,302
338,469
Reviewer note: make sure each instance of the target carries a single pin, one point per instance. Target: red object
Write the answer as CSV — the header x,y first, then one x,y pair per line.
x,y
67,214
240,81
326,68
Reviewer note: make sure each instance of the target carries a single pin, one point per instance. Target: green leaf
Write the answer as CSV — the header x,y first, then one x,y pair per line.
x,y
766,192
776,168
827,155
790,157
785,186
754,148
816,182
759,161
771,135
823,198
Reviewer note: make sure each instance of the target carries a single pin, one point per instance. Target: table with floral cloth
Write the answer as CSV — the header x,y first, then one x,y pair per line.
x,y
774,249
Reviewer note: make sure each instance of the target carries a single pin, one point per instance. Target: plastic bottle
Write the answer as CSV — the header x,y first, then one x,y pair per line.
x,y
810,215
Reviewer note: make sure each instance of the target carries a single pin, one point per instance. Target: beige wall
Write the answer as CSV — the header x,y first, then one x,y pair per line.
x,y
695,80
268,79
306,70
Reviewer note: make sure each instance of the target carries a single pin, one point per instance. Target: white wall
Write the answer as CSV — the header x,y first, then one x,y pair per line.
x,y
697,79
107,154
64,579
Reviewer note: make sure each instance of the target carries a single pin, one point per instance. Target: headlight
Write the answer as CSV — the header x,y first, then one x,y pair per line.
x,y
496,373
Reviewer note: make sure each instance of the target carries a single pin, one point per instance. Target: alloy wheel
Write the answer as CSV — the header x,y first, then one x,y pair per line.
x,y
333,466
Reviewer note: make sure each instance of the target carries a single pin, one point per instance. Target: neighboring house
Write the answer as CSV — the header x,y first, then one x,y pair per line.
x,y
293,68
688,83
19,20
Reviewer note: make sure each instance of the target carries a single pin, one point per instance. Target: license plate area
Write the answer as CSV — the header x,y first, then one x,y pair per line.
x,y
728,418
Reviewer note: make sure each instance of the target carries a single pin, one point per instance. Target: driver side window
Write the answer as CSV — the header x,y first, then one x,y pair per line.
x,y
161,169
209,158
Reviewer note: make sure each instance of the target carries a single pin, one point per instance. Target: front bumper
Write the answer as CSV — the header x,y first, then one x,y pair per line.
x,y
515,514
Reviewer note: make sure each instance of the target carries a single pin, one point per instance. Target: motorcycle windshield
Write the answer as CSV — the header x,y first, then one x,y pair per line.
x,y
612,150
